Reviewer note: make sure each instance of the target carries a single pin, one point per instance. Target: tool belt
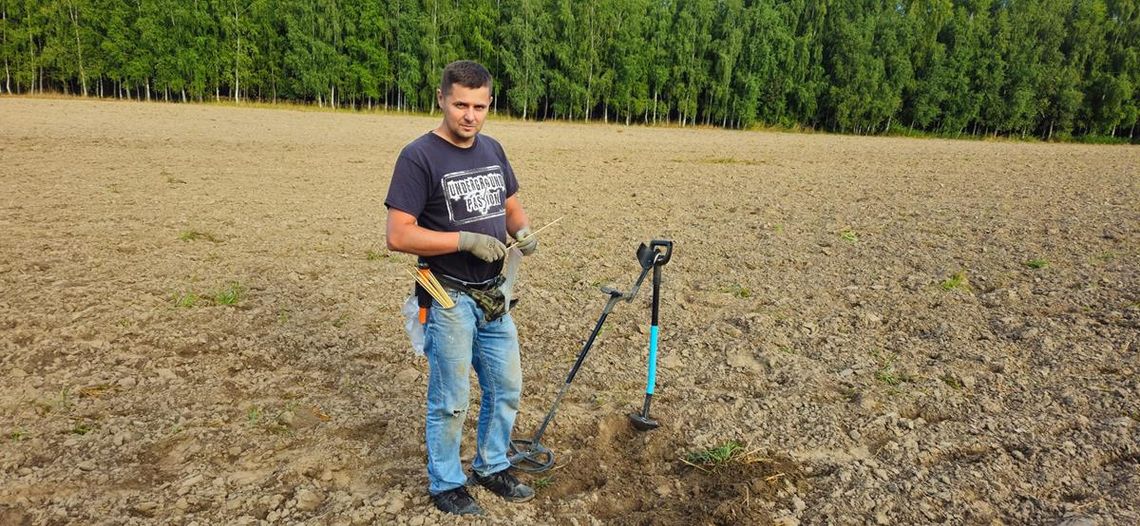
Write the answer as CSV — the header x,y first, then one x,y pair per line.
x,y
487,295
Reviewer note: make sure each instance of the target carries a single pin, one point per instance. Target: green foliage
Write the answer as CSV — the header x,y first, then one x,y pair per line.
x,y
738,290
230,295
1053,69
186,300
957,281
373,255
543,482
253,416
849,236
1037,263
715,456
887,373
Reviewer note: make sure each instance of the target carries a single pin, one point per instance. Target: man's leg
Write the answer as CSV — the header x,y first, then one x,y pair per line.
x,y
496,361
448,341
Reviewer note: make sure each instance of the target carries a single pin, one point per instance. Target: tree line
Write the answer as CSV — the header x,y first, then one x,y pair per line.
x,y
1046,68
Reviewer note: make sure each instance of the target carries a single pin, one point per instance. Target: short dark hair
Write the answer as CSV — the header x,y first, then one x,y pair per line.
x,y
466,73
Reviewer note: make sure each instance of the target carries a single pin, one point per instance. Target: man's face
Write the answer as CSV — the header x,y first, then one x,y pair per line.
x,y
464,110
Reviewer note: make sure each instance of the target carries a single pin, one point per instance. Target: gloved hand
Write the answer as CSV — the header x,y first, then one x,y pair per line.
x,y
482,246
526,246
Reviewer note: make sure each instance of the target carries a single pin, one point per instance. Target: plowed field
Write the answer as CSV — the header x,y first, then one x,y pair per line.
x,y
199,324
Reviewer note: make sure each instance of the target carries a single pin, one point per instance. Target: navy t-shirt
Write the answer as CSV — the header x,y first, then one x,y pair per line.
x,y
449,189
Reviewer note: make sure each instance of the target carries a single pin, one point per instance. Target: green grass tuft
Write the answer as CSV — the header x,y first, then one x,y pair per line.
x,y
956,282
849,236
738,290
1037,263
253,416
373,255
543,482
887,373
187,300
230,295
716,456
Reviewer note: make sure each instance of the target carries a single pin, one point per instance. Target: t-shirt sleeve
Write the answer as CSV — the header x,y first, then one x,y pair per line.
x,y
408,191
508,171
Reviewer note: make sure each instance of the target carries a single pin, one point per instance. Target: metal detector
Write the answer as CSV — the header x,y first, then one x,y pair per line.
x,y
529,454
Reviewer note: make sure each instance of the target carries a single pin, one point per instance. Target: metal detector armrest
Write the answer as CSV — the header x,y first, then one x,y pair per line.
x,y
651,255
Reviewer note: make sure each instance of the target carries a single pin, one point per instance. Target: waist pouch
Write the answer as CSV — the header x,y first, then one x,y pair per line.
x,y
488,297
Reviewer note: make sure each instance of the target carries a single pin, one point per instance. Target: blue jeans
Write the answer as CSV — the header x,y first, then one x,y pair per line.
x,y
455,341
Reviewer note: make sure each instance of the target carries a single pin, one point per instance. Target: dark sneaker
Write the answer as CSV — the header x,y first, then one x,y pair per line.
x,y
506,486
457,501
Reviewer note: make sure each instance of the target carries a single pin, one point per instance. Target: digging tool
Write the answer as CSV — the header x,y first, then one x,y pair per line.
x,y
642,421
529,454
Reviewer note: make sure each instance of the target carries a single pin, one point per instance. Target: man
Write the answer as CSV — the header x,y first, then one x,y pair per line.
x,y
452,202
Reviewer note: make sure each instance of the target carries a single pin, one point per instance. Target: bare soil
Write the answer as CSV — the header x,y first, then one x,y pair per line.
x,y
896,331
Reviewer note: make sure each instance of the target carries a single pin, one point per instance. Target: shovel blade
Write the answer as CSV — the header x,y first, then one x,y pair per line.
x,y
643,422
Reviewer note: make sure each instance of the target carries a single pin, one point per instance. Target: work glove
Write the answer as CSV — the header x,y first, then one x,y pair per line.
x,y
482,246
526,245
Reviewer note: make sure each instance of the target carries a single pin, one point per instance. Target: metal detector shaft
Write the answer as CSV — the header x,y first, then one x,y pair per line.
x,y
614,298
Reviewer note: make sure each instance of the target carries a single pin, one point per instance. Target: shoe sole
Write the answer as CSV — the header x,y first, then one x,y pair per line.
x,y
518,500
477,513
508,498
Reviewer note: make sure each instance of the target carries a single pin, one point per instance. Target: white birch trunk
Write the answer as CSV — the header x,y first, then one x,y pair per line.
x,y
78,47
7,73
237,57
654,106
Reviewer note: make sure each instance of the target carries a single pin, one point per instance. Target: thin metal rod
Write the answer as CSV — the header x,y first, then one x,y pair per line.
x,y
645,408
574,370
